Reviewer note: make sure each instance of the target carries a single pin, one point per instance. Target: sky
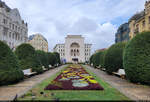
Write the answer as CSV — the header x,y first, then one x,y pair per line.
x,y
96,20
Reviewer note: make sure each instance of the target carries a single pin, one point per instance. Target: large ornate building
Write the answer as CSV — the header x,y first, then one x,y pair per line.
x,y
38,42
13,30
141,21
74,49
122,34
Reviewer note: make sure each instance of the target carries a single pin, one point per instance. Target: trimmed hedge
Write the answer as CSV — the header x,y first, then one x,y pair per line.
x,y
57,57
96,59
51,58
91,59
26,55
28,58
42,58
114,57
10,71
102,58
136,60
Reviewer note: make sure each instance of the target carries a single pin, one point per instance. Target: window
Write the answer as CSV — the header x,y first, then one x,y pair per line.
x,y
136,29
5,31
13,35
13,26
16,28
16,36
4,21
149,19
10,25
143,23
9,34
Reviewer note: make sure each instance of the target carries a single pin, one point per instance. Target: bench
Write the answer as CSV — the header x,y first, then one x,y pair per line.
x,y
98,67
44,69
120,73
28,72
50,66
103,69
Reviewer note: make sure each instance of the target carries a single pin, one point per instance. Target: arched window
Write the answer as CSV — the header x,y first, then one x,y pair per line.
x,y
74,49
75,45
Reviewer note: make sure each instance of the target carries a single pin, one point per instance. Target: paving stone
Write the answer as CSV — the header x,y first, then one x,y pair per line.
x,y
131,90
7,93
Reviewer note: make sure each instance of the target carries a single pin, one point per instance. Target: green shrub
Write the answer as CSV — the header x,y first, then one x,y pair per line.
x,y
27,57
51,58
136,60
114,57
38,69
10,71
69,63
96,59
57,57
102,58
91,59
42,58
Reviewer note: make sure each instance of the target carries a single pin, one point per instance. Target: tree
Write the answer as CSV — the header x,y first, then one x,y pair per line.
x,y
42,58
57,57
114,57
26,55
136,59
51,58
102,58
96,59
28,58
10,71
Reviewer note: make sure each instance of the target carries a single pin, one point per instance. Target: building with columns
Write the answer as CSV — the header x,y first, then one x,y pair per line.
x,y
74,49
39,42
13,30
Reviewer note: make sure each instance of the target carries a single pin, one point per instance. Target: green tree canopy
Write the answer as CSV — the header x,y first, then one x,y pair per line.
x,y
10,71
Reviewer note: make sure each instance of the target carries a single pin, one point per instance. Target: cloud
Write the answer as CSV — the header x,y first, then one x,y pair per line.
x,y
94,19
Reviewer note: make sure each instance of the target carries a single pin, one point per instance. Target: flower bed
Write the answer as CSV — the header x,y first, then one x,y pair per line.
x,y
74,77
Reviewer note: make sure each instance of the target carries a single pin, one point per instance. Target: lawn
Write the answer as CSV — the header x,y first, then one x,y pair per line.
x,y
38,92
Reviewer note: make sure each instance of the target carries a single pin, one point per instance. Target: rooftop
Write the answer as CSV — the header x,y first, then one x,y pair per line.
x,y
138,16
32,36
74,36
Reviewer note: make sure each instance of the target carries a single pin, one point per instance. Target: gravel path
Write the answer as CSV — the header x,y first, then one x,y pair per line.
x,y
133,91
7,93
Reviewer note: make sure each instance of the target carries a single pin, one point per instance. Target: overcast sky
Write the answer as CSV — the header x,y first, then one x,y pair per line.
x,y
96,20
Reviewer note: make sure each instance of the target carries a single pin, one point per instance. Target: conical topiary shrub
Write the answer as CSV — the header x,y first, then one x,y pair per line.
x,y
10,71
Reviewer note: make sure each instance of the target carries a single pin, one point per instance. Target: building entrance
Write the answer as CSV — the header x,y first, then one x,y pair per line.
x,y
75,59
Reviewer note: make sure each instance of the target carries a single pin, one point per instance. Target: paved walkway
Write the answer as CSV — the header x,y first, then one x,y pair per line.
x,y
133,91
9,92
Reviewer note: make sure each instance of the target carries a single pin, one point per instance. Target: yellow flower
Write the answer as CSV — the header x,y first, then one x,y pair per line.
x,y
65,71
93,81
81,79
